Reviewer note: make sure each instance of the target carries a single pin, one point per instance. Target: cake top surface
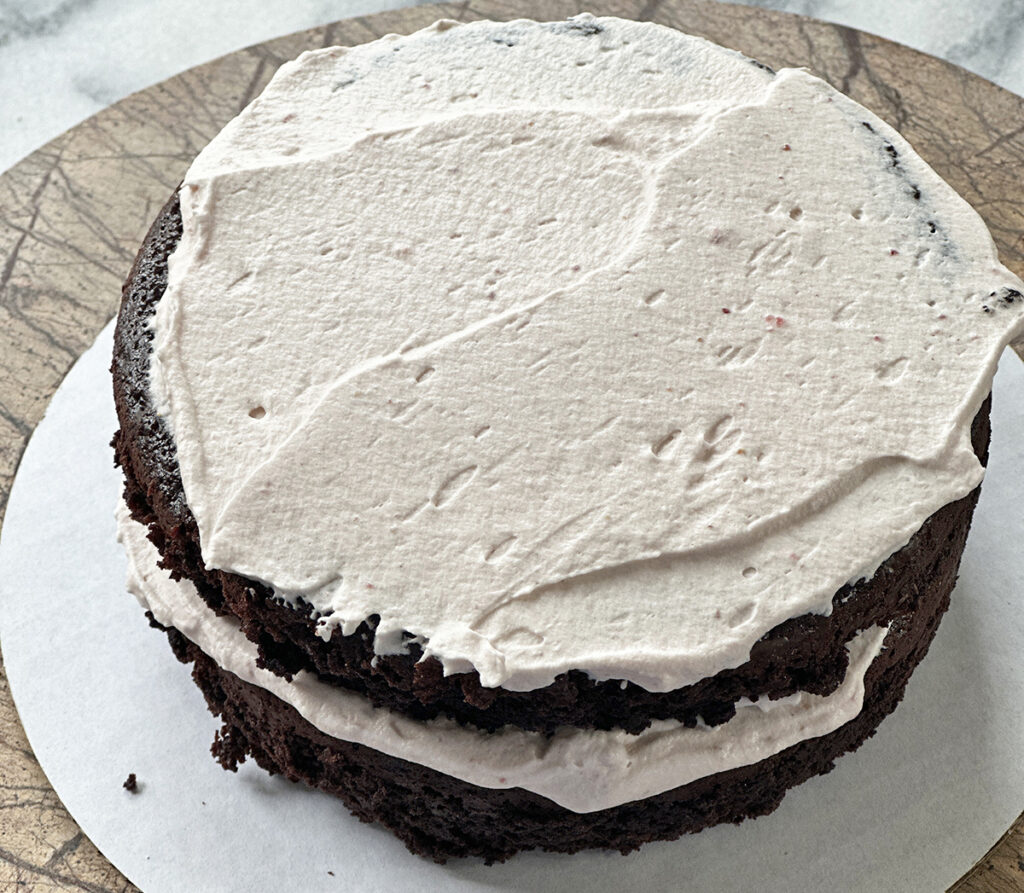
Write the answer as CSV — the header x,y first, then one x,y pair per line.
x,y
587,345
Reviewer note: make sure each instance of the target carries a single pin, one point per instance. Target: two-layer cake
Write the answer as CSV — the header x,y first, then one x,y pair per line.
x,y
558,435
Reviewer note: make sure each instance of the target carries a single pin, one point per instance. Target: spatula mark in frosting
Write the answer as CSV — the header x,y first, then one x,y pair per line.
x,y
451,486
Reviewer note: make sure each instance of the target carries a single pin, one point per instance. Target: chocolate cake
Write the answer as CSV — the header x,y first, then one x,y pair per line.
x,y
553,435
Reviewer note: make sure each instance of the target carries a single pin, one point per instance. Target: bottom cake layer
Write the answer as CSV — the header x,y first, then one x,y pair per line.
x,y
440,816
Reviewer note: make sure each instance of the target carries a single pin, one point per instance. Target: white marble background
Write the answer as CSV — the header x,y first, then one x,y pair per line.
x,y
63,60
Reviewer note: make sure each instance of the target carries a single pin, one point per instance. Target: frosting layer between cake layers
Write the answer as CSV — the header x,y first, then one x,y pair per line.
x,y
582,770
578,346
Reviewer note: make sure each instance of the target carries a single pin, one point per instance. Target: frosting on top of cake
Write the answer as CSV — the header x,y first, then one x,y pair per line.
x,y
583,345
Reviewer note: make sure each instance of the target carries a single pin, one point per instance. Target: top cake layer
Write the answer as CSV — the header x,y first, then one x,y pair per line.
x,y
578,346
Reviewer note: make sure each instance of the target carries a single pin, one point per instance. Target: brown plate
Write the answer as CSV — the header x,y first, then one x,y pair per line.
x,y
73,213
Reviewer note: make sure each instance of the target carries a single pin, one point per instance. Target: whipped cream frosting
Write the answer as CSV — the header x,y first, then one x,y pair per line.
x,y
582,770
584,345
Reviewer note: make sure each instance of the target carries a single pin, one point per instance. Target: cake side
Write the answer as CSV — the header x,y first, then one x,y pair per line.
x,y
583,770
440,816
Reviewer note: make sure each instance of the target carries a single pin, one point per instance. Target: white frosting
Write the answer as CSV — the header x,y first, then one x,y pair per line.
x,y
558,349
582,770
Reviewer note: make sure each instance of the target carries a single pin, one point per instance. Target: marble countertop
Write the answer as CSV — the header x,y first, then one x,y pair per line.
x,y
64,60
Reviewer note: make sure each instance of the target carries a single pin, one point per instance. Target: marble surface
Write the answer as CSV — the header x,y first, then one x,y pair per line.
x,y
63,60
